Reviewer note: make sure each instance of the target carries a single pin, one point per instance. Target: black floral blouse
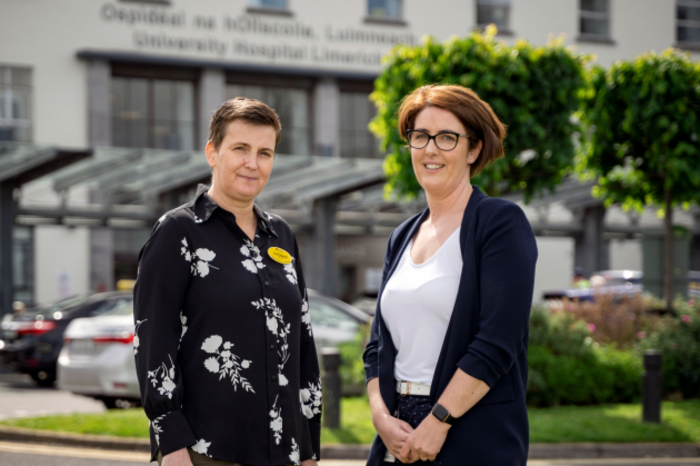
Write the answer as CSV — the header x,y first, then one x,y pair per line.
x,y
223,344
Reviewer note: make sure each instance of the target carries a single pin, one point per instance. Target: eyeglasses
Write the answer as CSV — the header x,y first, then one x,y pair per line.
x,y
444,140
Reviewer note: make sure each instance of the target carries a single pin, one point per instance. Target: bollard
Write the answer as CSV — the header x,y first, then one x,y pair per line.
x,y
651,389
331,387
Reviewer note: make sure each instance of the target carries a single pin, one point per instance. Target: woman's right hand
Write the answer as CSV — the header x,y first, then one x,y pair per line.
x,y
177,458
392,431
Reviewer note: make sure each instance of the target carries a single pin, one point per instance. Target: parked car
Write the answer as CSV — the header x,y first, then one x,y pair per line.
x,y
97,359
619,282
31,341
333,321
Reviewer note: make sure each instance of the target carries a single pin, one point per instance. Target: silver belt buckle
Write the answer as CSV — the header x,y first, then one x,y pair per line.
x,y
408,389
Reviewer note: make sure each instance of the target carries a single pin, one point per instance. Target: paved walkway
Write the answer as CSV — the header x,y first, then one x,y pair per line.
x,y
20,454
20,397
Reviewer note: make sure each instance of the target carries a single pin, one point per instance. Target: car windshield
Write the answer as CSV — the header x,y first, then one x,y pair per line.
x,y
325,315
48,312
124,308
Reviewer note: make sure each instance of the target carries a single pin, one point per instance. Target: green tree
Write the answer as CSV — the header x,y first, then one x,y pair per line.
x,y
644,118
533,90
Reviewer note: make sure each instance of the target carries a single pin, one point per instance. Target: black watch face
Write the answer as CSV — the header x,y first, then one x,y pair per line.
x,y
440,412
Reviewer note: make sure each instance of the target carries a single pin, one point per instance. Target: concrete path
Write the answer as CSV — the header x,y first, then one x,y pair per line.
x,y
20,454
20,397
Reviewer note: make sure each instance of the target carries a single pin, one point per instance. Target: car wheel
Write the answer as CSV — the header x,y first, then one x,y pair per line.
x,y
44,378
120,403
110,403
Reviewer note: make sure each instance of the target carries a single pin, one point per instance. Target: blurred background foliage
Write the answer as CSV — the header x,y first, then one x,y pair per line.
x,y
592,353
535,90
642,120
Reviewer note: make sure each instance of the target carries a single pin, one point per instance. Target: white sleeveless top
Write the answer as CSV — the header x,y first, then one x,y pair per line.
x,y
416,306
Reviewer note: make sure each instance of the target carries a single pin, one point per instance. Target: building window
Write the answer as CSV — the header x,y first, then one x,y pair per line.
x,y
292,106
688,22
493,12
153,113
271,4
154,2
356,140
23,256
594,19
15,104
384,9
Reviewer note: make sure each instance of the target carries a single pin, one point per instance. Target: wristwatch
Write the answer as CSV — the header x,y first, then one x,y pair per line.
x,y
443,415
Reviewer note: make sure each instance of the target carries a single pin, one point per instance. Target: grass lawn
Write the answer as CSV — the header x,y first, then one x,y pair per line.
x,y
607,423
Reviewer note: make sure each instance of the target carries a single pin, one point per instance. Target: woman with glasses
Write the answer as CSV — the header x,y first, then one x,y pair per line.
x,y
446,362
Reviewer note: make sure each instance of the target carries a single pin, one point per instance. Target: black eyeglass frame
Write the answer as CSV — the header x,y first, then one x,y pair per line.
x,y
434,138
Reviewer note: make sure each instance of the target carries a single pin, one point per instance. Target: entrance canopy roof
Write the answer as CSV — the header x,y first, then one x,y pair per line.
x,y
133,187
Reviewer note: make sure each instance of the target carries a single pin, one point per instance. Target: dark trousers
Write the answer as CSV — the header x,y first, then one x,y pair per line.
x,y
412,409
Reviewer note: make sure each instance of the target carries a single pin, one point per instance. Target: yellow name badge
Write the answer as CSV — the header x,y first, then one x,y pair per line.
x,y
279,255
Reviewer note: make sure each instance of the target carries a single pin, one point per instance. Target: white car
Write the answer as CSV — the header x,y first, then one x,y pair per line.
x,y
97,359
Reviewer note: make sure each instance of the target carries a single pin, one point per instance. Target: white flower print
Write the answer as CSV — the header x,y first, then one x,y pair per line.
x,y
183,322
310,399
294,456
199,260
276,326
225,363
167,378
201,447
184,250
276,421
291,273
136,335
157,429
254,261
305,315
197,219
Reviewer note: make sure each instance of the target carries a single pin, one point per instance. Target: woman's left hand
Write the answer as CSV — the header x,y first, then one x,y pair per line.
x,y
426,441
309,463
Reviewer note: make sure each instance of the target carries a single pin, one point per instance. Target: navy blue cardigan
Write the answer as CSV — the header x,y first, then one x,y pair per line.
x,y
486,337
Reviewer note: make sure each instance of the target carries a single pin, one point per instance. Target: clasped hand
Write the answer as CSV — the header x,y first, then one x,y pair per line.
x,y
409,445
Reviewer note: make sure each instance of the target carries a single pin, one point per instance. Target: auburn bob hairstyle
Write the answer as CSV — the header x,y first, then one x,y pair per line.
x,y
250,111
479,120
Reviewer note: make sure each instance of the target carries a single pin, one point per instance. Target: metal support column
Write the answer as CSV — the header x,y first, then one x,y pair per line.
x,y
320,260
99,90
6,223
591,249
212,92
327,118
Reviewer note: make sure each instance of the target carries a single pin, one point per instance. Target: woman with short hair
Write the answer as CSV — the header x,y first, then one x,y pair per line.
x,y
446,362
224,350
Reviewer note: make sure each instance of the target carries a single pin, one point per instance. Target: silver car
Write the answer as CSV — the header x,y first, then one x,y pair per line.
x,y
97,359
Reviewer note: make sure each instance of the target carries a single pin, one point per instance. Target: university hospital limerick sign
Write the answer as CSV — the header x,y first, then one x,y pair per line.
x,y
254,38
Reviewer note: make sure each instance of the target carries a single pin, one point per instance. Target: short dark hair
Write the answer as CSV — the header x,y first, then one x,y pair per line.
x,y
478,118
242,108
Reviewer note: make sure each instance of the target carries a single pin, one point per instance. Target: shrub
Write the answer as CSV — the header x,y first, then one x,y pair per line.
x,y
567,367
677,336
613,319
352,368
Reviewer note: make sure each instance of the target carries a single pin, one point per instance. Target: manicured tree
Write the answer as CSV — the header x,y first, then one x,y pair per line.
x,y
644,118
533,90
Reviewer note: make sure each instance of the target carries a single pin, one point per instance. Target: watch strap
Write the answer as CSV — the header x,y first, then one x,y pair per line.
x,y
443,415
